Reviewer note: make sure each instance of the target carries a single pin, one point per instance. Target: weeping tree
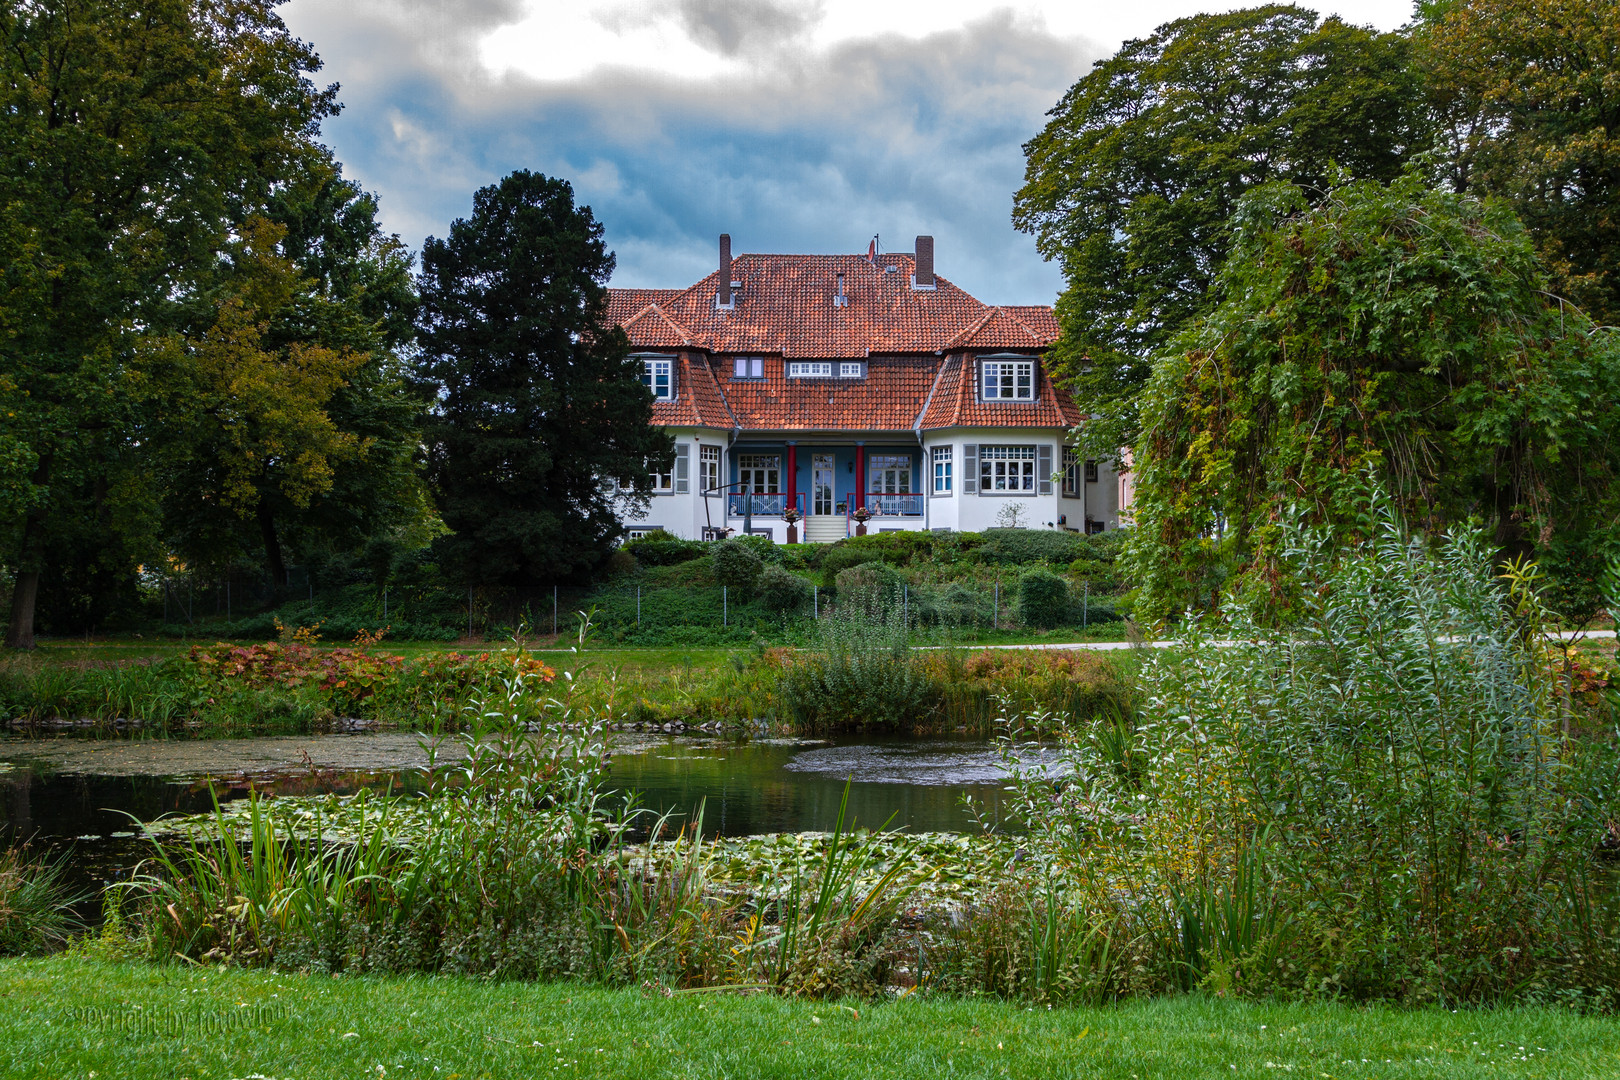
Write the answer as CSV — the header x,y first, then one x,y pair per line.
x,y
1395,335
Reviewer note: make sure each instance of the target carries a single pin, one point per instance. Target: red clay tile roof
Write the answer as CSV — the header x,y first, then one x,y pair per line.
x,y
956,403
887,399
698,401
784,310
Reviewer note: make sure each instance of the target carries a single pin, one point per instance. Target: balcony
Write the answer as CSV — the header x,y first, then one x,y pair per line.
x,y
895,505
740,504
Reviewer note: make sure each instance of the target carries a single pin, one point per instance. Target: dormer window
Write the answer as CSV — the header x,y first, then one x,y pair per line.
x,y
1007,379
810,369
851,369
658,375
748,367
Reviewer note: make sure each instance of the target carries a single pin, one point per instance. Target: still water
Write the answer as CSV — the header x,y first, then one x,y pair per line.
x,y
57,790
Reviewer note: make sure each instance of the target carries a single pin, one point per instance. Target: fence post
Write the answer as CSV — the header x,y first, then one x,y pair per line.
x,y
1085,603
228,613
815,601
905,605
166,602
554,611
995,611
638,607
385,603
469,612
725,608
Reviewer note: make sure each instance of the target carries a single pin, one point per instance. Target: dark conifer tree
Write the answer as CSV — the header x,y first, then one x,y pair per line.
x,y
538,408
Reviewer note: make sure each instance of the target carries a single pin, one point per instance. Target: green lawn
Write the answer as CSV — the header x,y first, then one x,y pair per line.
x,y
71,1018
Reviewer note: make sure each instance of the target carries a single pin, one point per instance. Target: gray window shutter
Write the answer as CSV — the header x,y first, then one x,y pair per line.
x,y
970,469
683,463
1043,469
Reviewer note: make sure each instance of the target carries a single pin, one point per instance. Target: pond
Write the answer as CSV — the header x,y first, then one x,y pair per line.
x,y
78,794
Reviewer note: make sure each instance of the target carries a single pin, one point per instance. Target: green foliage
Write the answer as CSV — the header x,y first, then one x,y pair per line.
x,y
1024,547
1377,800
35,905
842,558
1043,599
1528,100
661,549
1394,333
737,567
870,590
783,591
1132,185
540,408
860,676
142,140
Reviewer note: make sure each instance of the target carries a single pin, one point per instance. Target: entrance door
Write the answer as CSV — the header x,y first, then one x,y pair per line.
x,y
822,476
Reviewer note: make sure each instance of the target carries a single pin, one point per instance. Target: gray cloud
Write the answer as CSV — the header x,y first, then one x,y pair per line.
x,y
811,152
730,27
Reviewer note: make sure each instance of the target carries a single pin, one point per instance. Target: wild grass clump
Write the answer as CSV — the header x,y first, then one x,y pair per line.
x,y
861,676
36,905
1379,800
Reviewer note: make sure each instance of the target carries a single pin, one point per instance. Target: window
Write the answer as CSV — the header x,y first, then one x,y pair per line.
x,y
642,531
1071,473
851,370
662,482
708,468
889,474
942,470
1091,472
761,474
748,367
1006,468
1008,380
657,373
802,369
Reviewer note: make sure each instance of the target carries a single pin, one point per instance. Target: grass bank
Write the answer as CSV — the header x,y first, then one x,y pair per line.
x,y
68,1017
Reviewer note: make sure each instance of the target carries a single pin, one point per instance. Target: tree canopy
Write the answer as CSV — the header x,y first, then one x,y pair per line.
x,y
1132,185
1528,93
1391,335
538,407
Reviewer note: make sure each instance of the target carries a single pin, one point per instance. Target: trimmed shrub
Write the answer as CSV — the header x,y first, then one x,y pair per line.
x,y
1026,547
1043,599
842,558
737,567
782,591
659,548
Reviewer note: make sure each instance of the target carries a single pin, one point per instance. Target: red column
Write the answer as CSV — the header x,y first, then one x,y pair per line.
x,y
792,476
860,477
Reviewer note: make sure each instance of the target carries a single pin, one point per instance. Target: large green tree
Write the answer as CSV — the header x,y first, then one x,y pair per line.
x,y
1132,185
539,409
1391,335
133,137
1529,94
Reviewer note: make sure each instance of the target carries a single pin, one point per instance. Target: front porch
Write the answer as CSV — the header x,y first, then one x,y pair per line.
x,y
825,485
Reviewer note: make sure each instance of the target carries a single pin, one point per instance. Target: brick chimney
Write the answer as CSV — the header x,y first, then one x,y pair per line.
x,y
723,297
924,278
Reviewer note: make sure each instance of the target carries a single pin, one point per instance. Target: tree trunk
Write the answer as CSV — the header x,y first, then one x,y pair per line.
x,y
272,547
20,631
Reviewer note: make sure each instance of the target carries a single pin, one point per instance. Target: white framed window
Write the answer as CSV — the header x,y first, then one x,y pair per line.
x,y
1007,380
761,474
658,375
889,474
942,469
640,532
662,482
708,468
748,367
1071,472
1006,468
851,369
809,369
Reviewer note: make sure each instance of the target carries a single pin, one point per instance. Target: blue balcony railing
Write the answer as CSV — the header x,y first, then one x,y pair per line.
x,y
895,505
739,504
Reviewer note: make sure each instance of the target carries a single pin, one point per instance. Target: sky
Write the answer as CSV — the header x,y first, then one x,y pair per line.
x,y
802,126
